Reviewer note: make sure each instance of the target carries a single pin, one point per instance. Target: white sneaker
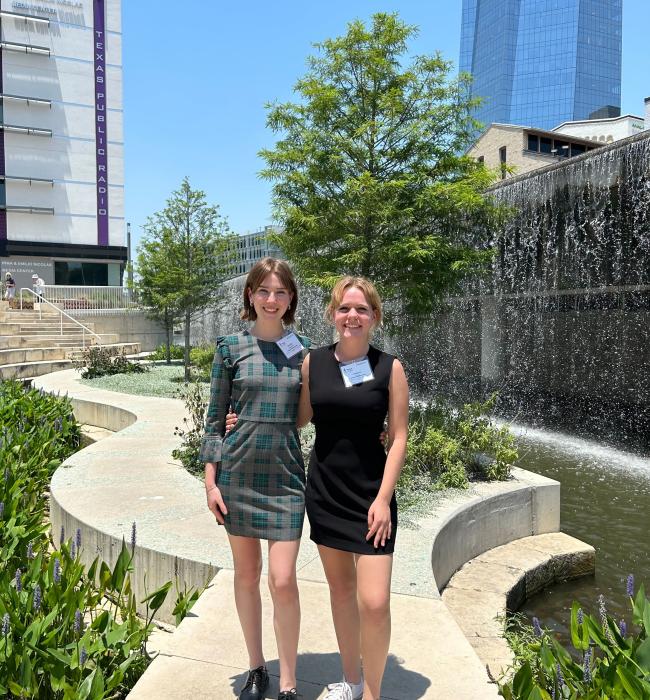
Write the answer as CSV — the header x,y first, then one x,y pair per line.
x,y
344,691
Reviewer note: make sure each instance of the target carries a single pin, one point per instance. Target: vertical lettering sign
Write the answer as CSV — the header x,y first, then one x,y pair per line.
x,y
101,143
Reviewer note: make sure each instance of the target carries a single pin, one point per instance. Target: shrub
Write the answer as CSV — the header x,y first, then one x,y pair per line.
x,y
191,433
160,353
453,445
609,660
97,361
65,632
202,358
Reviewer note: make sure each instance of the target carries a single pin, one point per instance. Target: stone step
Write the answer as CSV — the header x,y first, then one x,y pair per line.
x,y
19,316
67,340
19,355
27,370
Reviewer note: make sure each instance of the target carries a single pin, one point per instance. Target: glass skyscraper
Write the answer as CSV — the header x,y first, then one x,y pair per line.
x,y
541,62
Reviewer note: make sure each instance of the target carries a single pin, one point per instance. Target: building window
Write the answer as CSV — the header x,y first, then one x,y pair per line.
x,y
545,145
83,274
503,160
533,142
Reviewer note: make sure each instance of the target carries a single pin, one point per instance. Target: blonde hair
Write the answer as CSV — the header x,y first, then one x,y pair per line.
x,y
258,273
366,287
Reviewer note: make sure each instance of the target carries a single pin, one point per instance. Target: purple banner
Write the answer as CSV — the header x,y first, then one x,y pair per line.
x,y
101,143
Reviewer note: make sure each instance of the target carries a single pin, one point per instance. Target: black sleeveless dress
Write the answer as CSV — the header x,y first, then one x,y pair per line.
x,y
347,462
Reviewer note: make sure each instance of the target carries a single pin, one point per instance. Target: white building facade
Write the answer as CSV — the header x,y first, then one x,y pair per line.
x,y
61,142
252,247
603,130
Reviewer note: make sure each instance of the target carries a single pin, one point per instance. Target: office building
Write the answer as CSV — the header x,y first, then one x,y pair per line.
x,y
605,130
543,62
252,247
516,149
61,143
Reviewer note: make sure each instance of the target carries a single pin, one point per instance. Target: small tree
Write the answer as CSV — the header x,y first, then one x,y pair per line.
x,y
156,290
185,256
368,173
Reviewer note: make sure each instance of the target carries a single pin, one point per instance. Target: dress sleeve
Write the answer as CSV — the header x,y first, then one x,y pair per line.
x,y
220,392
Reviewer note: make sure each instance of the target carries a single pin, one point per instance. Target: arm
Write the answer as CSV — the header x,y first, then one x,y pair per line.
x,y
304,406
379,524
210,453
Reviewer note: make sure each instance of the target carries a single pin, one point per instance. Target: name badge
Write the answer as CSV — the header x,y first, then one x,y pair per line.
x,y
356,372
290,345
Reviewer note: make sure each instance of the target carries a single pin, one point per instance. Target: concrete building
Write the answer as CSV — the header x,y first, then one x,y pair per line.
x,y
603,130
647,113
252,247
543,62
61,142
524,148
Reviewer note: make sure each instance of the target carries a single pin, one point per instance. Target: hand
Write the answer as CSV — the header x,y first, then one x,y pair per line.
x,y
379,525
215,503
231,421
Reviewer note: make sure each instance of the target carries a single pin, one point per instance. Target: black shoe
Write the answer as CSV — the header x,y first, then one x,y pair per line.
x,y
288,694
256,684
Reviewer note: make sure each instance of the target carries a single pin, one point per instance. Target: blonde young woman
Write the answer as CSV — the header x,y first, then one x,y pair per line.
x,y
348,390
254,475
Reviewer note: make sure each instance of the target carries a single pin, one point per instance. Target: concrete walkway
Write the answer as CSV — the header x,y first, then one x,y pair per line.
x,y
131,477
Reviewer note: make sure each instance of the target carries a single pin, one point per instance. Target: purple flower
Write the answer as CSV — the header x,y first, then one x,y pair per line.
x,y
83,656
73,550
603,617
19,581
133,537
37,598
537,628
78,538
630,586
2,509
622,628
78,622
62,536
560,677
58,425
580,616
586,666
57,570
5,624
30,551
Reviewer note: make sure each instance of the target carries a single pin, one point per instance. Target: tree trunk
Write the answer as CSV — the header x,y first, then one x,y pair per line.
x,y
168,340
187,346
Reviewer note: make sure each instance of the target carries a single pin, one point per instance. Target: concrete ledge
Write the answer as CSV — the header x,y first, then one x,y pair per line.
x,y
502,579
498,513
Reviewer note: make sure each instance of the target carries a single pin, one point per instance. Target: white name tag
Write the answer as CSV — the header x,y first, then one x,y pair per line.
x,y
290,345
356,372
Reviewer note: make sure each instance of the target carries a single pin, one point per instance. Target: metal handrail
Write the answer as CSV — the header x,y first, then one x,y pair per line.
x,y
42,300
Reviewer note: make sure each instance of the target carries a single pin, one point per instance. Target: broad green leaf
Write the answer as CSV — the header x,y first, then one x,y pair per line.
x,y
157,598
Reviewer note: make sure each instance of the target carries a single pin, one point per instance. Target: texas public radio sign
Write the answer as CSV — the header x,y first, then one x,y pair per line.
x,y
101,143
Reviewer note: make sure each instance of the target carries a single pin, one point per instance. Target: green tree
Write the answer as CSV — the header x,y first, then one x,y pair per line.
x,y
368,173
184,257
155,289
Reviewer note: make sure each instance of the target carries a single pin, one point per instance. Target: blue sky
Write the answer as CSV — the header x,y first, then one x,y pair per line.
x,y
198,74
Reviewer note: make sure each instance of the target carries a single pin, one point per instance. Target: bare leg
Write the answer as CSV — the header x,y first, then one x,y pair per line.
x,y
342,578
286,606
247,556
373,590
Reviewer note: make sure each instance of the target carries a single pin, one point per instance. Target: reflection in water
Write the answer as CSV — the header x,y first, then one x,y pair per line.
x,y
606,503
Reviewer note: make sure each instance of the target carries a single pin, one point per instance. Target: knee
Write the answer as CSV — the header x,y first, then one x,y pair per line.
x,y
342,590
283,586
247,576
375,608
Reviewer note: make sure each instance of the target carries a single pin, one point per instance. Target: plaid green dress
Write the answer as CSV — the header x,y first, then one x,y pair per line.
x,y
261,473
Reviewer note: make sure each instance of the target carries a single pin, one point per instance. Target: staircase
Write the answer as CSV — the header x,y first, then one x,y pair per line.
x,y
32,344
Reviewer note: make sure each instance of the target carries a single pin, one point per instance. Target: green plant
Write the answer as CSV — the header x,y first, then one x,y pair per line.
x,y
160,353
97,361
202,357
609,659
191,433
452,445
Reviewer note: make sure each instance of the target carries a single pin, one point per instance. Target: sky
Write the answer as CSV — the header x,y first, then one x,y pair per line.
x,y
198,74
